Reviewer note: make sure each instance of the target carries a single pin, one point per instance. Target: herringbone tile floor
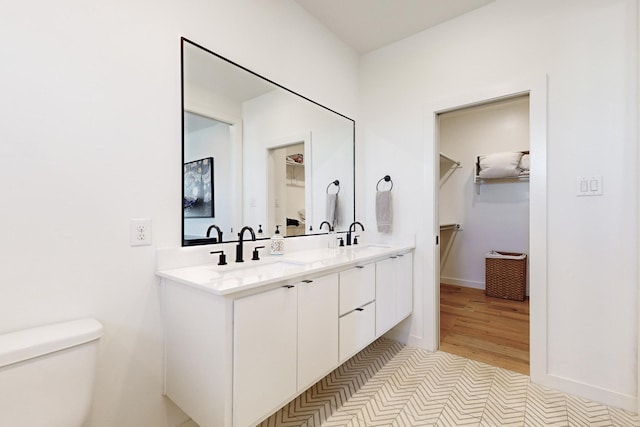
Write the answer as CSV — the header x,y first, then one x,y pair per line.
x,y
388,384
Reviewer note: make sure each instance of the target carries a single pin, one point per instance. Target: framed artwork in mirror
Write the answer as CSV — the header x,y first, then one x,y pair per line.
x,y
197,197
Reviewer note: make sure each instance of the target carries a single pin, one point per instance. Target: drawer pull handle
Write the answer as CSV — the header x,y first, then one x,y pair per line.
x,y
359,266
360,309
400,254
393,257
288,286
307,281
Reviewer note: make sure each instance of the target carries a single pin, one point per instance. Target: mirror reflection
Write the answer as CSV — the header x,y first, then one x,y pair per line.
x,y
256,154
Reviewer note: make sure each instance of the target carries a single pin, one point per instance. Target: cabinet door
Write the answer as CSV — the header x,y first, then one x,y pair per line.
x,y
357,287
386,295
317,329
404,270
264,369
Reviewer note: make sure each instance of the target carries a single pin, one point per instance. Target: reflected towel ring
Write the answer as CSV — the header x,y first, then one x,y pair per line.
x,y
386,178
336,183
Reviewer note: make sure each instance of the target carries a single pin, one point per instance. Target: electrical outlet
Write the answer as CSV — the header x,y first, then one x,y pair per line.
x,y
140,232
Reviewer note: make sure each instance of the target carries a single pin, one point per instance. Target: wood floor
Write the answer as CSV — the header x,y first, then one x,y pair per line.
x,y
490,330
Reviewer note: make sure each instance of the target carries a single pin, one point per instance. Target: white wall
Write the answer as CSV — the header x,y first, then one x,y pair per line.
x,y
495,215
90,138
589,51
329,154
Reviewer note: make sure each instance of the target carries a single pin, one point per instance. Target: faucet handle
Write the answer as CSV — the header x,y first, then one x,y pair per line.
x,y
255,256
341,241
223,258
355,239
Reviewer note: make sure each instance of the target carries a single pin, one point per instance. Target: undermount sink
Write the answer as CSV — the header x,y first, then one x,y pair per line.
x,y
268,268
372,247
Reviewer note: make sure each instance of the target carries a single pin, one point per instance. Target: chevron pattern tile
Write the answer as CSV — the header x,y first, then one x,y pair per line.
x,y
388,384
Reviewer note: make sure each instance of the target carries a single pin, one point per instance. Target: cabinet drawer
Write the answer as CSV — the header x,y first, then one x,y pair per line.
x,y
357,330
357,287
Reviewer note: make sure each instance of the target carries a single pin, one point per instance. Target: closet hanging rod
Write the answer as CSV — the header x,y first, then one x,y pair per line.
x,y
450,159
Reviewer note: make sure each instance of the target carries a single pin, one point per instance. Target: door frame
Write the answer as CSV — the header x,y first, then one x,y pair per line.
x,y
536,88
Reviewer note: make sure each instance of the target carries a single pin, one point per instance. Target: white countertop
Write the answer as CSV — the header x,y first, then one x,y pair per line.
x,y
237,277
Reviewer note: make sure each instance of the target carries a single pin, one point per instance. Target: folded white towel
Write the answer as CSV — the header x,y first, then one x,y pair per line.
x,y
384,211
332,209
501,255
500,165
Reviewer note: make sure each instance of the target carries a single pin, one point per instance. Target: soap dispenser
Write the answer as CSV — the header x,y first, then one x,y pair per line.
x,y
333,240
277,243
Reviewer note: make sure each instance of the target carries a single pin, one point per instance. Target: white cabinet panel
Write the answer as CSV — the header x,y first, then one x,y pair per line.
x,y
357,330
264,370
394,291
317,328
386,295
405,285
357,287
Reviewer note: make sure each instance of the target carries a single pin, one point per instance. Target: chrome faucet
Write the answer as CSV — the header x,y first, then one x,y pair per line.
x,y
219,232
353,225
325,222
241,240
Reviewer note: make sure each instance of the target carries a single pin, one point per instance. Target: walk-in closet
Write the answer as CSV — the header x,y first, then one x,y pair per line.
x,y
483,209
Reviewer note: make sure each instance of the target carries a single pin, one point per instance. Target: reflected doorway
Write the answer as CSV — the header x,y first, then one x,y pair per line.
x,y
288,184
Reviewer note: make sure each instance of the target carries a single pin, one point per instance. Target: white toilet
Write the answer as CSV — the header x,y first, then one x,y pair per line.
x,y
47,374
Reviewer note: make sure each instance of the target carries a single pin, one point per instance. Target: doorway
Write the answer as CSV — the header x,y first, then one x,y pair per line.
x,y
429,335
288,188
478,216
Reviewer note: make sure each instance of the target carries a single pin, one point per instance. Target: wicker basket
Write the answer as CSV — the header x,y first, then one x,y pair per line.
x,y
506,278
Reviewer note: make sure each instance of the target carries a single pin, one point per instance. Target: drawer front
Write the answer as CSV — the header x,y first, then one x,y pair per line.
x,y
357,330
357,287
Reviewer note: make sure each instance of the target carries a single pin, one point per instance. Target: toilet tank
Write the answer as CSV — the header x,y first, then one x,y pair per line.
x,y
47,374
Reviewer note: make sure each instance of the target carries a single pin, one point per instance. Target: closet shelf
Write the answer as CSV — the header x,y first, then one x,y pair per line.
x,y
455,162
292,163
451,226
522,177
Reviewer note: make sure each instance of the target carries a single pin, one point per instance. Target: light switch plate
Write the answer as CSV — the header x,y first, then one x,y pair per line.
x,y
590,185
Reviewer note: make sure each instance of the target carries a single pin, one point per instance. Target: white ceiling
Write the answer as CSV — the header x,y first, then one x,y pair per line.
x,y
366,25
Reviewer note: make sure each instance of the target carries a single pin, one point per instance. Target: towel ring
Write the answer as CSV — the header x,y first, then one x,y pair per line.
x,y
386,178
336,183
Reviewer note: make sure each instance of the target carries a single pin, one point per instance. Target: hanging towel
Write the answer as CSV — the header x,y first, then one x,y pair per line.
x,y
332,209
384,211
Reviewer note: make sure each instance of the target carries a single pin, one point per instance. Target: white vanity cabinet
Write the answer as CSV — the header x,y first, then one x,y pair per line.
x,y
357,309
233,358
394,291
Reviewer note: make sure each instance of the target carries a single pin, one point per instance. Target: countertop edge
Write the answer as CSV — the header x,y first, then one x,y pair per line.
x,y
305,270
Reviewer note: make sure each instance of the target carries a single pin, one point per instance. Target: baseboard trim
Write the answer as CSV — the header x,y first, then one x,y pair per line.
x,y
587,391
460,282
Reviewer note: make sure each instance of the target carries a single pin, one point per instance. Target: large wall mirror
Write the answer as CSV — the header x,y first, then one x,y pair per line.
x,y
257,154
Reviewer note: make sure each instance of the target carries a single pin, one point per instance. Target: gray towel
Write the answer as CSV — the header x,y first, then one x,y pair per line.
x,y
332,209
384,211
